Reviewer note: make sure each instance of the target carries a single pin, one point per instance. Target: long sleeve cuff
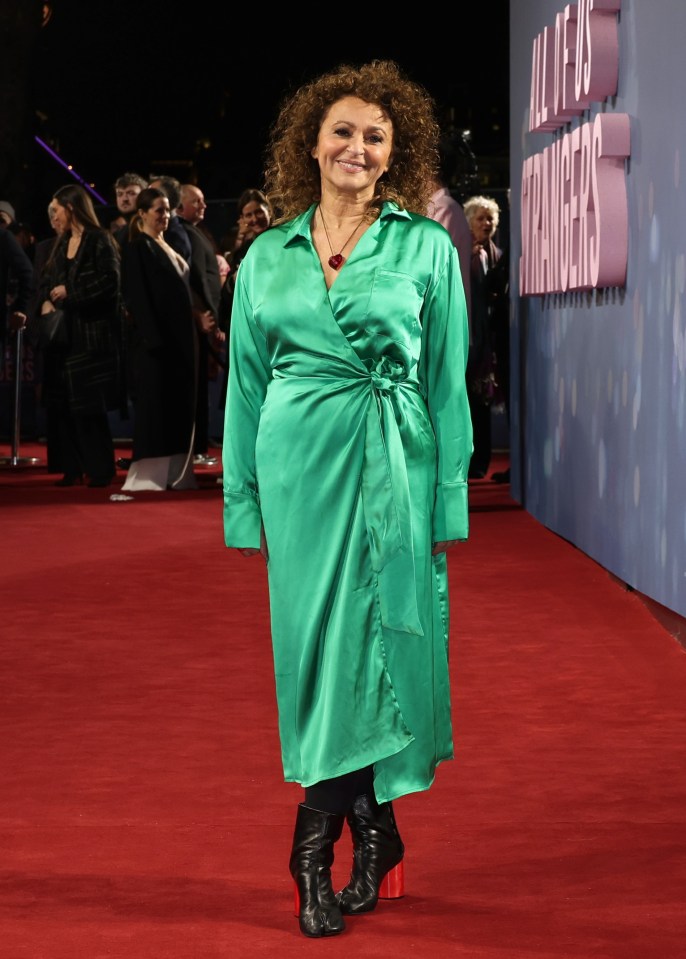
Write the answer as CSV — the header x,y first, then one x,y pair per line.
x,y
451,512
242,521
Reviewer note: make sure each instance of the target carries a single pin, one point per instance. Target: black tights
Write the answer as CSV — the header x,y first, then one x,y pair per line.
x,y
337,795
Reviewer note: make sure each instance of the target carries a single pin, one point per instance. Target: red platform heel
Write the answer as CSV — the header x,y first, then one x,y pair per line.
x,y
393,883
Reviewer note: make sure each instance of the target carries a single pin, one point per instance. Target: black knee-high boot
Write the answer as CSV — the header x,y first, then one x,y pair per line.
x,y
377,849
310,865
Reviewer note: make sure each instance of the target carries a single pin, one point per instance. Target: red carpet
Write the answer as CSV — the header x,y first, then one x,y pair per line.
x,y
142,810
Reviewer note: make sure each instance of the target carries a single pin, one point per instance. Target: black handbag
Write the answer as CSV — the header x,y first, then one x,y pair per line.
x,y
52,328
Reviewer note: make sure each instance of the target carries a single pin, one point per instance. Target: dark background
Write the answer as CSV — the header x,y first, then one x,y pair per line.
x,y
123,85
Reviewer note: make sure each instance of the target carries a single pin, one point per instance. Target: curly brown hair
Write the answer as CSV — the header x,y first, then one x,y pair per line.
x,y
292,175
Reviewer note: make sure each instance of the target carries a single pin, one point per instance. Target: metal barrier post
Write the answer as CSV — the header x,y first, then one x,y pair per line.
x,y
14,459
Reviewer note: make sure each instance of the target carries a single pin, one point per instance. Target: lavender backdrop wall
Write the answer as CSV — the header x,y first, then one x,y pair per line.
x,y
598,430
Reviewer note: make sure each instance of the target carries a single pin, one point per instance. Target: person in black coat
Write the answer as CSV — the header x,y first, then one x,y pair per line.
x,y
83,377
483,216
16,285
155,283
41,257
16,282
206,288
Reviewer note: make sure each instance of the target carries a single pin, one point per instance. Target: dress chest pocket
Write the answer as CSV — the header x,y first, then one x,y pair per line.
x,y
394,305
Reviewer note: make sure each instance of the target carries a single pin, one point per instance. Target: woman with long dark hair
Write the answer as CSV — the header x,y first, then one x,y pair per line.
x,y
83,378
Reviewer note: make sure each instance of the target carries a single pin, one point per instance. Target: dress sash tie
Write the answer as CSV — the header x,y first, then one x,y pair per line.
x,y
386,502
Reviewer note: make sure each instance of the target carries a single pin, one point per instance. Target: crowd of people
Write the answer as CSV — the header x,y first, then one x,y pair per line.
x,y
138,312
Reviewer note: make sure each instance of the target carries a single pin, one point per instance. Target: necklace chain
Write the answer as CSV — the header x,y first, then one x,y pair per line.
x,y
336,259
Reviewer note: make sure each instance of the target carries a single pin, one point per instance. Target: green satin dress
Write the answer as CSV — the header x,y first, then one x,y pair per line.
x,y
348,436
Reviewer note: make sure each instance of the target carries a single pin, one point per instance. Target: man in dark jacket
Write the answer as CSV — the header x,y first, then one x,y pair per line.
x,y
16,282
16,290
206,288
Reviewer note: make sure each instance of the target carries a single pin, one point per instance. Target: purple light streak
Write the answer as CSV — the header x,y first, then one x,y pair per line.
x,y
70,170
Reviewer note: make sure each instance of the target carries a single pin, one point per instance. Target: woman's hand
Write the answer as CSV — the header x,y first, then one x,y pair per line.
x,y
17,321
58,293
205,320
443,546
252,551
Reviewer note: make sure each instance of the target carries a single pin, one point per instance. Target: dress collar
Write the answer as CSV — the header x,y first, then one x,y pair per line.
x,y
300,225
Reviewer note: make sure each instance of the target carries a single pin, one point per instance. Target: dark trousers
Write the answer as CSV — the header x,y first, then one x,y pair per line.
x,y
337,795
86,446
481,424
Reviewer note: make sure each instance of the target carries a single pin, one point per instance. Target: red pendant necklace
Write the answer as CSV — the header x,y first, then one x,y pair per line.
x,y
336,259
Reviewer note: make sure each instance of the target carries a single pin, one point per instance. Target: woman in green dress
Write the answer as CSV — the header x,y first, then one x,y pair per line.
x,y
346,452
